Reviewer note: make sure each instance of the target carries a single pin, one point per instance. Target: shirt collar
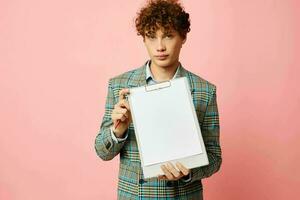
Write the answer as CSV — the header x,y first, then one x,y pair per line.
x,y
149,75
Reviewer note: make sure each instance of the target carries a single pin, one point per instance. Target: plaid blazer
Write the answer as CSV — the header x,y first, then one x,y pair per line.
x,y
131,183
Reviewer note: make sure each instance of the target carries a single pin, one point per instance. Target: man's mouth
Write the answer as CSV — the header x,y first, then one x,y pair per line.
x,y
161,57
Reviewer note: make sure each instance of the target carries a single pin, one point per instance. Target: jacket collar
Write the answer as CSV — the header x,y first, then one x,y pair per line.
x,y
138,78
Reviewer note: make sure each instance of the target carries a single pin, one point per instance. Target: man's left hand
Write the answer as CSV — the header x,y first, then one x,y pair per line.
x,y
171,173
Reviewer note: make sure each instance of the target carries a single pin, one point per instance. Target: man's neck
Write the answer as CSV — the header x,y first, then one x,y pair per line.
x,y
163,73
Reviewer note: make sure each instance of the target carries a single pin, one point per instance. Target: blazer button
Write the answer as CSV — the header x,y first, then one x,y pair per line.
x,y
141,181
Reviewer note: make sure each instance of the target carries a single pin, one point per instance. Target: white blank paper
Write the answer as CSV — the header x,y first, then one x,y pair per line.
x,y
165,122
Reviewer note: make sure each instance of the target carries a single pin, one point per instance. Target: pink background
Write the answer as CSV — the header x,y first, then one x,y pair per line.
x,y
57,56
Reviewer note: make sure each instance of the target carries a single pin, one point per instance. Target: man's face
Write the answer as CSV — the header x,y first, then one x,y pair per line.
x,y
163,47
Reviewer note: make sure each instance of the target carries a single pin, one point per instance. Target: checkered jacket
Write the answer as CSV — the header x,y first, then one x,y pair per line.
x,y
131,183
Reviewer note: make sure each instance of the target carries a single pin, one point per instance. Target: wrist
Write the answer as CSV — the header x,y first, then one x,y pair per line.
x,y
117,132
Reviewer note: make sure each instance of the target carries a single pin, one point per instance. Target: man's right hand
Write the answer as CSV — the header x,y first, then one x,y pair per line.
x,y
121,112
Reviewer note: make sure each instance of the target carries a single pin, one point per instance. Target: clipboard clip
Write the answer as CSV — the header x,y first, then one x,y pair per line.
x,y
158,86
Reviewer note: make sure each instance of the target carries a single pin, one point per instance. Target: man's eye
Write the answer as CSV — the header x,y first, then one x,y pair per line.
x,y
169,36
150,36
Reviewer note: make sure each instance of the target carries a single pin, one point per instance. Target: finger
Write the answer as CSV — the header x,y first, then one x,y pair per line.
x,y
123,111
123,118
116,117
126,114
182,168
122,93
167,173
172,169
120,111
122,104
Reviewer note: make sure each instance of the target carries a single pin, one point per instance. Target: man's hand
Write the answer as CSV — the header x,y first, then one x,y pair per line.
x,y
171,173
121,112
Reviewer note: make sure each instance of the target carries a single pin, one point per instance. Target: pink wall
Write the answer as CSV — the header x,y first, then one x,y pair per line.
x,y
57,56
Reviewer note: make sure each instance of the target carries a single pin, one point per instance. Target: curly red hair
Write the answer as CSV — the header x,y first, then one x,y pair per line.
x,y
164,14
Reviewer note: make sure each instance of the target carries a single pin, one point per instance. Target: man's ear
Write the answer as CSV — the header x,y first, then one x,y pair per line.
x,y
184,40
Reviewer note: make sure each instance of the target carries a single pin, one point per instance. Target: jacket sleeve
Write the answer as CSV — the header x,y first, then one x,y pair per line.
x,y
107,148
210,130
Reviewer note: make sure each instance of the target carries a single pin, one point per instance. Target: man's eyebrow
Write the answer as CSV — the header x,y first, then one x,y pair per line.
x,y
169,32
149,33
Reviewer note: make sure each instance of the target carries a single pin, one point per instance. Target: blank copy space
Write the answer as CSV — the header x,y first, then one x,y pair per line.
x,y
165,123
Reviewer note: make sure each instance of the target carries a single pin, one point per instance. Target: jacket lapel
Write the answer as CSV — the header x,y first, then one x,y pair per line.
x,y
182,72
138,78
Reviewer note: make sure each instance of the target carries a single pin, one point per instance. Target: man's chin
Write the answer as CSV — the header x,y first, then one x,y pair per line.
x,y
163,63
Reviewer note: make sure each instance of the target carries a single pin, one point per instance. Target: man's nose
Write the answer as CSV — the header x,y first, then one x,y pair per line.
x,y
161,45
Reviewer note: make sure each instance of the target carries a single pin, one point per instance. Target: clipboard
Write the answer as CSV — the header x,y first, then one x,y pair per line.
x,y
166,126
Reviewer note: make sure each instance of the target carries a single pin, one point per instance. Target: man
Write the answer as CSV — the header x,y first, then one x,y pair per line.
x,y
163,24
